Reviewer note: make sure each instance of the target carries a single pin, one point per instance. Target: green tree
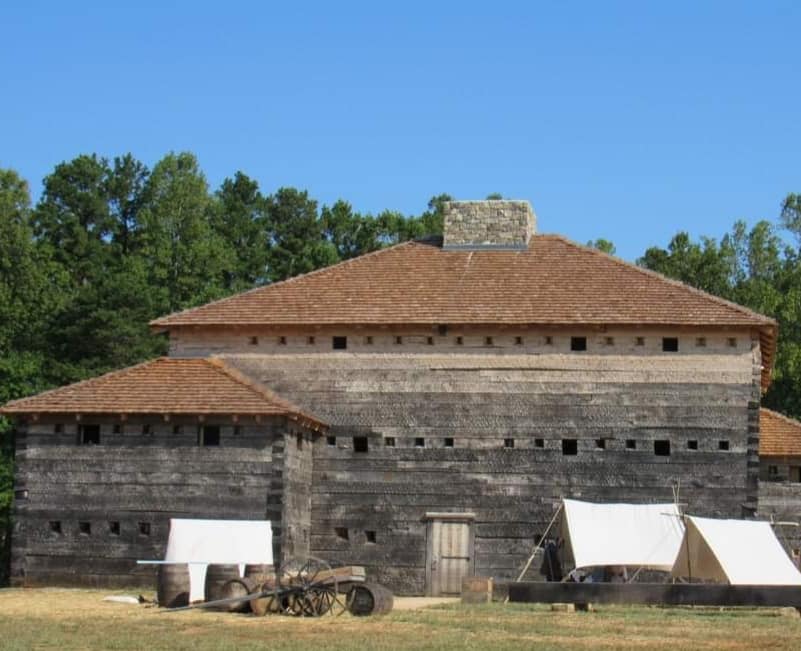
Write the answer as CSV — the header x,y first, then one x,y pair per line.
x,y
704,265
603,245
350,233
127,193
186,257
239,217
73,217
295,235
791,215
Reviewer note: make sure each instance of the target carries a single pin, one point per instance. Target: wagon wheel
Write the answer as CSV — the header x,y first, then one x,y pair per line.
x,y
311,587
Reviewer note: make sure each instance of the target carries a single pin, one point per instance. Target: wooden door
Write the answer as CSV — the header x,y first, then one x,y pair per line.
x,y
449,554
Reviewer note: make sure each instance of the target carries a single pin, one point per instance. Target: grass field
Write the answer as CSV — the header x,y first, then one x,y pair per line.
x,y
79,619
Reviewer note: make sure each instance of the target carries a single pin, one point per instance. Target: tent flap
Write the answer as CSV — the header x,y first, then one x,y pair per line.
x,y
739,552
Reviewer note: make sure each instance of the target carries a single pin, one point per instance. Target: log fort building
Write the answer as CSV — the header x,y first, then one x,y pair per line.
x,y
419,410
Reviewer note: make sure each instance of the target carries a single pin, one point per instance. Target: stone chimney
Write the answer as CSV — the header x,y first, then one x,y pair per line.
x,y
488,224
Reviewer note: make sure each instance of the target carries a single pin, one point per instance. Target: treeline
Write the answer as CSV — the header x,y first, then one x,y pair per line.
x,y
112,244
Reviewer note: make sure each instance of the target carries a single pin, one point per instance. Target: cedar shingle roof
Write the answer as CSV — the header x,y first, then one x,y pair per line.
x,y
779,435
164,386
553,282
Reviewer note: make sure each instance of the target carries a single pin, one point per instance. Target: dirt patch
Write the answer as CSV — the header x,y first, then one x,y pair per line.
x,y
415,603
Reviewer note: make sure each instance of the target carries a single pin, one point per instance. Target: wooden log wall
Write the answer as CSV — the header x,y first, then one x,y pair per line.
x,y
485,434
781,501
84,514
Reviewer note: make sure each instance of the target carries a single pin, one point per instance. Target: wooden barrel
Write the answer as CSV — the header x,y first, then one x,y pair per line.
x,y
238,588
369,599
257,571
264,605
217,575
172,588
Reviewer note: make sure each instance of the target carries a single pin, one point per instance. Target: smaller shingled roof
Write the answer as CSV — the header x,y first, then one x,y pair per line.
x,y
779,435
166,385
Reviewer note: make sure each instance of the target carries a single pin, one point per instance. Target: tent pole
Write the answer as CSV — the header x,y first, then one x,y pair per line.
x,y
539,544
676,491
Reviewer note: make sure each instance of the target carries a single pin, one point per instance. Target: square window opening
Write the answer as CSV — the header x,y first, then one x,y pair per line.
x,y
254,341
609,341
282,341
448,442
368,340
731,342
210,435
342,533
55,527
518,341
339,343
700,342
570,447
147,430
662,448
58,428
144,528
331,441
398,340
360,444
631,444
578,343
488,341
114,528
419,442
539,443
85,528
600,444
176,429
117,429
549,341
430,341
89,434
389,441
692,445
508,443
670,344
459,341
723,445
310,341
639,341
370,536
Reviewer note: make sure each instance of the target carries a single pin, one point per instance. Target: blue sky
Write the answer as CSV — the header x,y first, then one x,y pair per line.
x,y
623,120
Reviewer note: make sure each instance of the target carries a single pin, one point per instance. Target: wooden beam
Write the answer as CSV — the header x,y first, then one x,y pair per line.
x,y
674,594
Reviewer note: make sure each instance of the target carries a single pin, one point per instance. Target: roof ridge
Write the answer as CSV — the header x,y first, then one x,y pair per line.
x,y
654,274
88,381
219,365
285,281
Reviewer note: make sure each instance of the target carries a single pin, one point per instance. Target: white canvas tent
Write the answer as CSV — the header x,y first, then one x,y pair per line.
x,y
738,552
200,542
636,535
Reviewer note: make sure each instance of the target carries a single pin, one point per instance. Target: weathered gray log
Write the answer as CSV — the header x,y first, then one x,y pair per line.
x,y
676,594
